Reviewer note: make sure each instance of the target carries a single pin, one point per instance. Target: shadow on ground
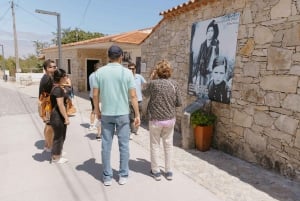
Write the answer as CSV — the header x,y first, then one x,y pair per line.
x,y
42,157
272,183
91,136
85,125
140,165
39,144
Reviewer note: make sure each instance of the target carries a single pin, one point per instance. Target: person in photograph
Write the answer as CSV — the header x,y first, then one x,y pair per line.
x,y
218,89
209,49
164,96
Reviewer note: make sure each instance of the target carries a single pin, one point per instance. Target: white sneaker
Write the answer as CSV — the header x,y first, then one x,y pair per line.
x,y
92,128
131,136
123,180
47,149
107,183
60,160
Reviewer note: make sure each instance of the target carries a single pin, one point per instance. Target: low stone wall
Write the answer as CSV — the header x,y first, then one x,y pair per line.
x,y
28,77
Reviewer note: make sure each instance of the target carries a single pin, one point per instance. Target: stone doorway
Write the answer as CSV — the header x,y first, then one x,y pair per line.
x,y
89,70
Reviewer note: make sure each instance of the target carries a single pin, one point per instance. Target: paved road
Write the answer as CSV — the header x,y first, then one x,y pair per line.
x,y
27,174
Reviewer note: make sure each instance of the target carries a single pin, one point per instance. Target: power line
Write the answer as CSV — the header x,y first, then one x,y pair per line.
x,y
1,18
35,16
84,13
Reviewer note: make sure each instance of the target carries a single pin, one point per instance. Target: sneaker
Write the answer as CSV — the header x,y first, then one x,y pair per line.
x,y
91,128
123,180
60,160
156,176
47,149
130,136
98,138
169,176
107,183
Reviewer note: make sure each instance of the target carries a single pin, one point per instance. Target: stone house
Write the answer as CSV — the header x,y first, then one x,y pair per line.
x,y
261,122
78,58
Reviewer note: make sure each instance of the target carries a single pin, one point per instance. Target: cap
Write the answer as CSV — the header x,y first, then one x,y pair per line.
x,y
115,52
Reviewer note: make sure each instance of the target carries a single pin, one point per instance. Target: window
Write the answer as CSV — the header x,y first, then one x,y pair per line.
x,y
69,66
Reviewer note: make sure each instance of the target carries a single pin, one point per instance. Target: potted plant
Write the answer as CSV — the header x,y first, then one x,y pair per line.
x,y
202,123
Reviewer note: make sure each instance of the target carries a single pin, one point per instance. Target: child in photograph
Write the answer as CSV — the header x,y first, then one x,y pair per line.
x,y
218,89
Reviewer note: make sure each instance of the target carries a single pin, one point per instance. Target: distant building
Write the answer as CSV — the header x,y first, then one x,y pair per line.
x,y
79,57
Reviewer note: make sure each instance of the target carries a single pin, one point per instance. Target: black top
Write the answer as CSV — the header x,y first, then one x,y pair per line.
x,y
57,92
46,84
219,93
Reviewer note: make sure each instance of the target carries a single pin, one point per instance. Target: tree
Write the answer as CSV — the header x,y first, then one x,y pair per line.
x,y
71,36
31,64
39,45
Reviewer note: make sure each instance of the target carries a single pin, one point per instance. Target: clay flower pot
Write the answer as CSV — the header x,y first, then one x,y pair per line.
x,y
203,129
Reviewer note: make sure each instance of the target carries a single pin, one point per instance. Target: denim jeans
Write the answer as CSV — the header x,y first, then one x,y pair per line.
x,y
118,125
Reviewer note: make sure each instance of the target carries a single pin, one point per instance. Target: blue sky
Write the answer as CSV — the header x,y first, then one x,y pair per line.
x,y
108,17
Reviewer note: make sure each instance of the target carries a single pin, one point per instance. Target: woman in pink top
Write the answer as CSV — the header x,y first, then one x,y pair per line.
x,y
164,97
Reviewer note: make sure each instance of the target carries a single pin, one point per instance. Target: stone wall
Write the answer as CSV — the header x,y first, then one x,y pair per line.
x,y
261,123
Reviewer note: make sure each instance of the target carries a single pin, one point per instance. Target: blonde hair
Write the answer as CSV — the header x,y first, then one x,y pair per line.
x,y
163,69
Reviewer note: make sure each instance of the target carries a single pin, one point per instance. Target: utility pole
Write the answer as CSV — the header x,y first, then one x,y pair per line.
x,y
58,32
3,65
18,69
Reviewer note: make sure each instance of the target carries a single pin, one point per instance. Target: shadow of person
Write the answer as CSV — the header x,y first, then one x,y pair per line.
x,y
91,136
39,144
85,125
140,166
41,157
94,169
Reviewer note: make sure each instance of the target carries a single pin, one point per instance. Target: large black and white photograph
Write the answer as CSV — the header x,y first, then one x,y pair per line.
x,y
212,57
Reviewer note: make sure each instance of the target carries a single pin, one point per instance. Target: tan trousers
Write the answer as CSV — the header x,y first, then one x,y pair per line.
x,y
48,133
166,134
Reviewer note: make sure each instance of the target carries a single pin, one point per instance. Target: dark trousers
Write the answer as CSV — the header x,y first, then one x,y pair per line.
x,y
60,130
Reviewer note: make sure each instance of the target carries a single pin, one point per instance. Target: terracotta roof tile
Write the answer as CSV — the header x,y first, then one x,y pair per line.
x,y
133,37
184,7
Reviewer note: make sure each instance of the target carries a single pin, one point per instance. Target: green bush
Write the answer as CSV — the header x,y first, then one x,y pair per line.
x,y
201,118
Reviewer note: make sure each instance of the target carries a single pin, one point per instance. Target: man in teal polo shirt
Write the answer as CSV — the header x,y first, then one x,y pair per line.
x,y
114,86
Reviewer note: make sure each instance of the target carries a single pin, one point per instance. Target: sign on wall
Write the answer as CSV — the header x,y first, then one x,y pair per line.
x,y
212,57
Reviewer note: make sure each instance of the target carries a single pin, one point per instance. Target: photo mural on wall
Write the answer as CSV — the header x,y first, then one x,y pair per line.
x,y
212,57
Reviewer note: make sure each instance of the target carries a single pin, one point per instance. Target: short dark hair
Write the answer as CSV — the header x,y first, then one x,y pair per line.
x,y
114,52
131,64
220,61
58,74
47,63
